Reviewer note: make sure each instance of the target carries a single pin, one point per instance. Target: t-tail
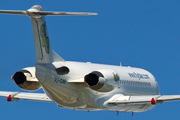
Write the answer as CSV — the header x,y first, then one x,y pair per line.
x,y
44,52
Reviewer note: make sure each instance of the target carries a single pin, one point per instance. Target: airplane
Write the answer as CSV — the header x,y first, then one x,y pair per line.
x,y
79,85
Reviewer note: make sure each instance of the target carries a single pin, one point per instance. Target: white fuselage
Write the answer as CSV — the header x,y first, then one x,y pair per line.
x,y
132,82
82,86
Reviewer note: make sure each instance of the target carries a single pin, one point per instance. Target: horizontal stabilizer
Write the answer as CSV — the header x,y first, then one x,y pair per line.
x,y
13,12
43,13
44,52
62,13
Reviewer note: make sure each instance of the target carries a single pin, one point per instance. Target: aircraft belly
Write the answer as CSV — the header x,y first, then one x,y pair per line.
x,y
57,87
66,95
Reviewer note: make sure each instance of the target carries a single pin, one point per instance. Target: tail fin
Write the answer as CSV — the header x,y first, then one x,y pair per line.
x,y
41,38
44,53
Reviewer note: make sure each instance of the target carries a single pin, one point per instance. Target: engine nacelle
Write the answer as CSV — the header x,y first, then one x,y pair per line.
x,y
103,80
26,79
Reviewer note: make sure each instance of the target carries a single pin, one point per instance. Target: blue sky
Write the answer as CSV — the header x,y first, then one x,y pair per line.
x,y
139,33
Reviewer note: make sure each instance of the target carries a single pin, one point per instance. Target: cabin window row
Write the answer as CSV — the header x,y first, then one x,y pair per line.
x,y
137,83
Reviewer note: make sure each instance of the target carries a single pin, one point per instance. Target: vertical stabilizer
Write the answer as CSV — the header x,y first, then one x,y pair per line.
x,y
44,53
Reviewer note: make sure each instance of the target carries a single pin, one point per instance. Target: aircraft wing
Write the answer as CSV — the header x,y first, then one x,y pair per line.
x,y
154,99
169,98
15,96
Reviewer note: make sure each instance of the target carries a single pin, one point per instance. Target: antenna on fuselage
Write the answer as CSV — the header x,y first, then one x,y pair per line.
x,y
120,64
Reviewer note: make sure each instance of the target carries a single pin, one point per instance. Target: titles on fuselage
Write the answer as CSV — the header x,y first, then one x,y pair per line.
x,y
140,76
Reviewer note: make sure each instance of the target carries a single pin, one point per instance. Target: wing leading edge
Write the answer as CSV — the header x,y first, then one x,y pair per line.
x,y
15,96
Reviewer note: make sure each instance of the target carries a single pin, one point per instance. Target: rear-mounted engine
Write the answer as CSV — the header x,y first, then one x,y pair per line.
x,y
26,79
103,80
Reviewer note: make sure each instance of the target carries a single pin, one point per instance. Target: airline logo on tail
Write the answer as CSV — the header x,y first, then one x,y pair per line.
x,y
45,39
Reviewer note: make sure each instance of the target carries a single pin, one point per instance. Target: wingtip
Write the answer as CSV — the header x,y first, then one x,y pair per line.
x,y
92,13
95,13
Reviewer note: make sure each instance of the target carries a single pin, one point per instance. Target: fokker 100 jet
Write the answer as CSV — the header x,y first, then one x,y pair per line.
x,y
81,86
